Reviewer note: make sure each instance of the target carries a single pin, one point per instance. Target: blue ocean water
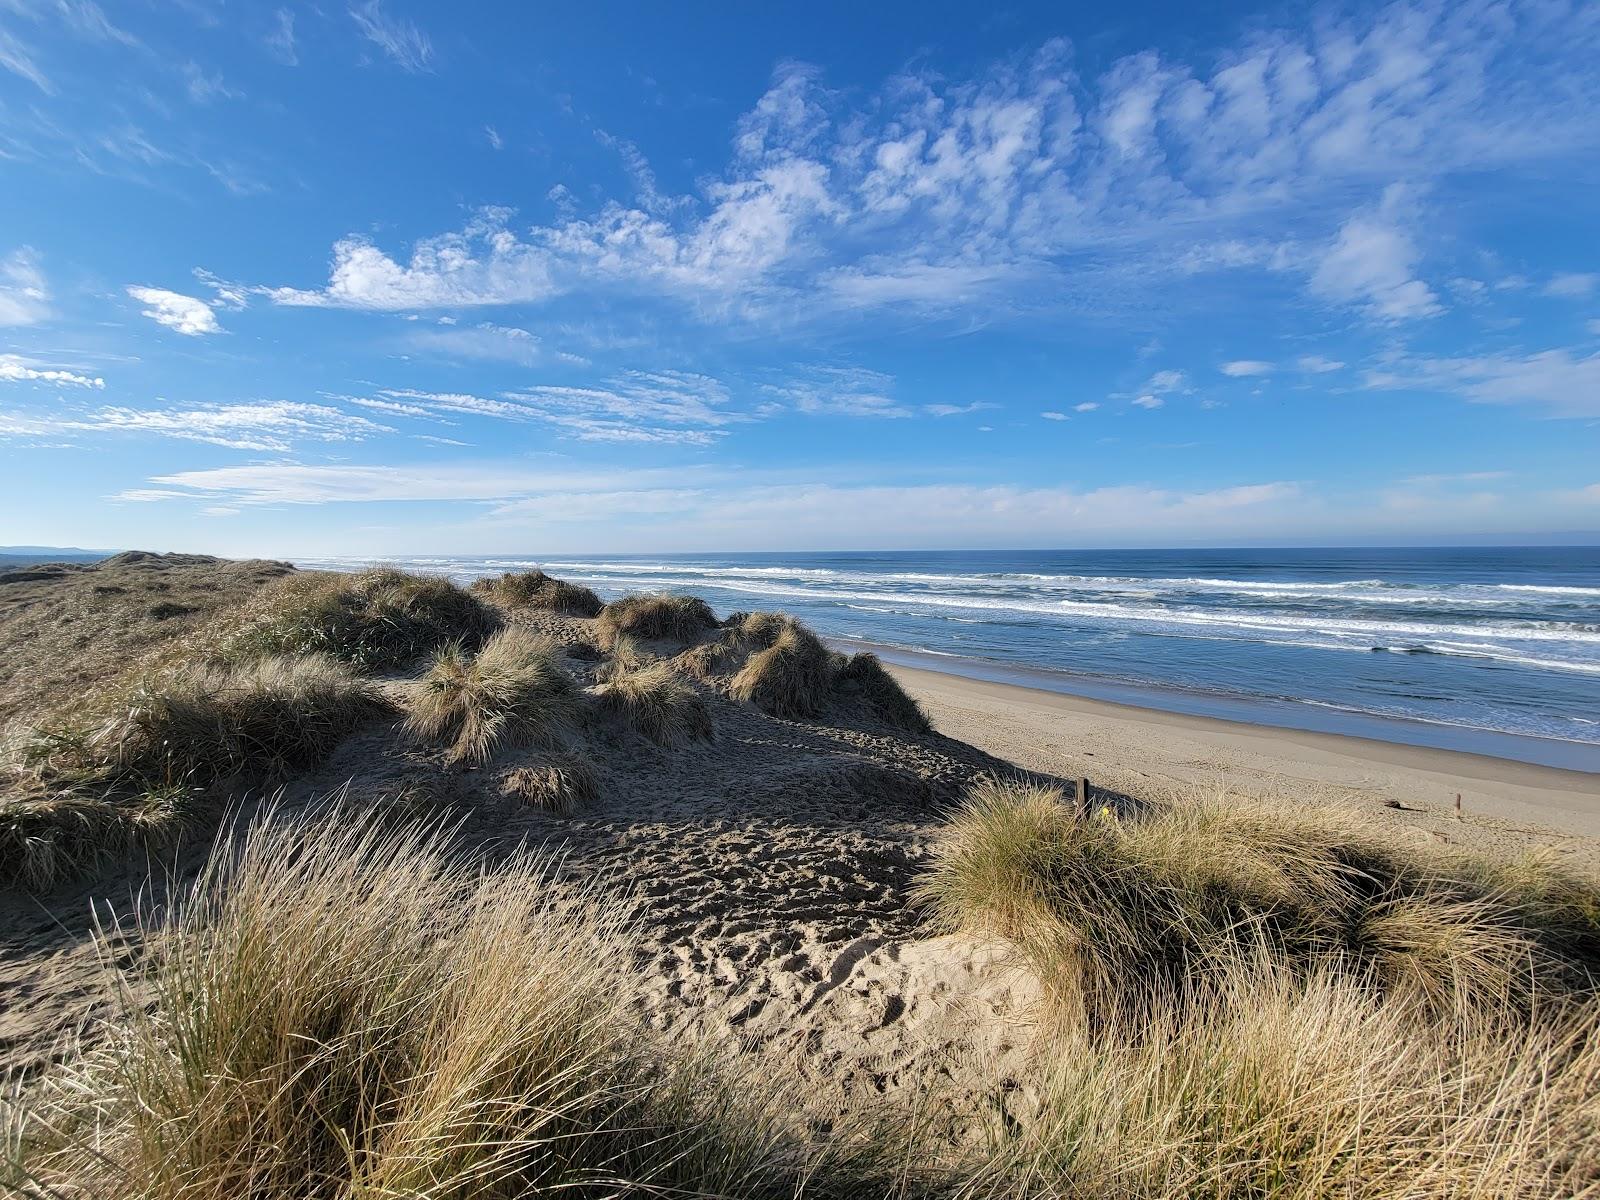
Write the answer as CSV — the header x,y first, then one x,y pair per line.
x,y
1503,641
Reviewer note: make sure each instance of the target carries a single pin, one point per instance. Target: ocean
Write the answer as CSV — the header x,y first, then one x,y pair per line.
x,y
1488,649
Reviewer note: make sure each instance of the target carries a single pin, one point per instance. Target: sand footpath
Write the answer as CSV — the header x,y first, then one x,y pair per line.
x,y
1507,806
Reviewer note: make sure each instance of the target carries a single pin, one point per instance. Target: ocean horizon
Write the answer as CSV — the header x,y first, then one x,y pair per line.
x,y
1489,649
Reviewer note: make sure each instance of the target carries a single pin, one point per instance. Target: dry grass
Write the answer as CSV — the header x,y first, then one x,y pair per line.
x,y
654,700
67,628
380,618
863,675
535,589
1300,1087
655,618
1162,904
139,770
562,785
342,1011
792,676
512,692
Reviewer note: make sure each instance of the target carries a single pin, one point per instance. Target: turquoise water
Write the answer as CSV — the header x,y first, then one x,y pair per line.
x,y
1500,641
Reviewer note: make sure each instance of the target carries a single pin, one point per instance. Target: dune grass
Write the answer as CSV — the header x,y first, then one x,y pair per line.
x,y
339,1010
138,767
535,589
375,619
791,675
562,784
1158,905
1299,1086
511,692
654,700
655,618
863,675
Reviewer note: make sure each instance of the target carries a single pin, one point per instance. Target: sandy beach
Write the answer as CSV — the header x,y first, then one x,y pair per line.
x,y
1506,805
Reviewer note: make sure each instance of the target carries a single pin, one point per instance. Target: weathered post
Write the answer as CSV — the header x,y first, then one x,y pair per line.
x,y
1082,806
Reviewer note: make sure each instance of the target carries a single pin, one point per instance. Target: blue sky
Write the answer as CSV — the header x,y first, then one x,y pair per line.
x,y
386,278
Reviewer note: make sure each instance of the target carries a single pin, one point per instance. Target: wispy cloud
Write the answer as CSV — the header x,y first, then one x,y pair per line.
x,y
1307,150
280,41
179,313
405,44
1244,368
1572,286
24,297
14,369
275,426
1560,382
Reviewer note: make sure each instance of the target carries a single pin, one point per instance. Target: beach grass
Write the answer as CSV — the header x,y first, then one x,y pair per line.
x,y
511,692
376,619
535,589
650,617
657,702
342,1009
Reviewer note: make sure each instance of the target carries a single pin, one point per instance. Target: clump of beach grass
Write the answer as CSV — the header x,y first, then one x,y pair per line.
x,y
562,784
343,1009
865,676
1156,906
134,769
652,617
791,675
1300,1085
511,692
535,589
375,619
657,702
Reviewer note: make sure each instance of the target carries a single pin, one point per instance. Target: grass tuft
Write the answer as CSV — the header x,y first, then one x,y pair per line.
x,y
792,676
376,619
561,785
342,1010
135,771
1160,905
864,675
655,618
654,700
511,692
535,589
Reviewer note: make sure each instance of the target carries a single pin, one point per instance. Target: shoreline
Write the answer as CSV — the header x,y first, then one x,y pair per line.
x,y
1278,716
1508,805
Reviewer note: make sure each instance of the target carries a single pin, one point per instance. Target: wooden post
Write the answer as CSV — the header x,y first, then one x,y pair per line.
x,y
1083,797
1458,806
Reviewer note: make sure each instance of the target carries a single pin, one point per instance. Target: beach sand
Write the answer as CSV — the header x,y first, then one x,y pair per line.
x,y
1507,806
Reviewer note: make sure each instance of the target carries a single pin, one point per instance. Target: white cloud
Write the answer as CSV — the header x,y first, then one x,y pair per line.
x,y
1086,406
1246,367
279,40
1148,401
1315,364
18,59
15,369
1558,381
1572,286
180,313
401,40
1166,382
501,343
24,298
493,134
1031,185
957,410
204,88
839,391
484,264
1371,265
271,425
1054,416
